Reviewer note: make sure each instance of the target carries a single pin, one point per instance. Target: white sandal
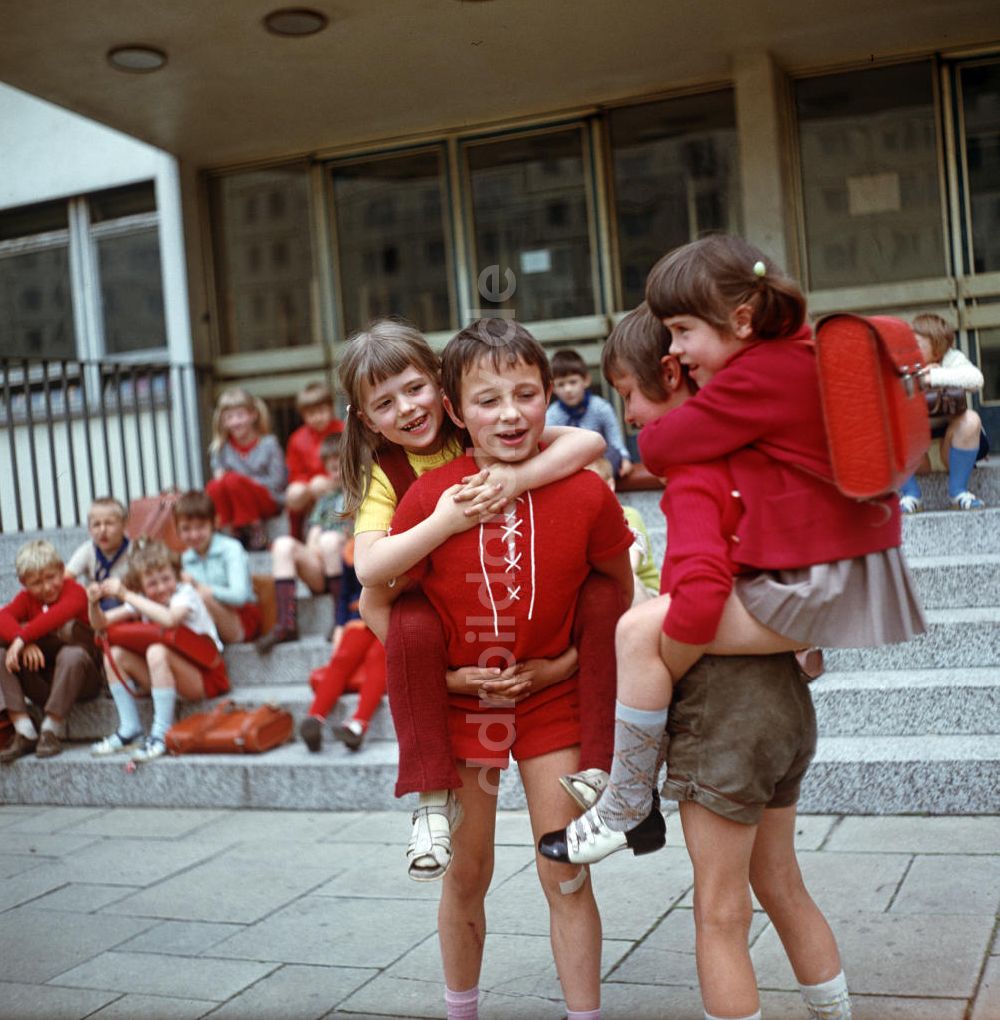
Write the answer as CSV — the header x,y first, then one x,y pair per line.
x,y
585,787
429,852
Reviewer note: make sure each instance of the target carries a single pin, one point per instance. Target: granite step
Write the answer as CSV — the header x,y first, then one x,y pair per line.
x,y
850,775
954,582
955,639
908,702
287,663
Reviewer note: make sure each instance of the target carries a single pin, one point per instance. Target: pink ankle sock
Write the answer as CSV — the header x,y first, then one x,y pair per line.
x,y
584,1014
462,1005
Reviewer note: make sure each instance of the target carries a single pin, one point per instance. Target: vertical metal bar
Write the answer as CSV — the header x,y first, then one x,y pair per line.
x,y
85,377
50,431
117,376
154,418
68,419
134,376
12,440
31,444
184,418
104,427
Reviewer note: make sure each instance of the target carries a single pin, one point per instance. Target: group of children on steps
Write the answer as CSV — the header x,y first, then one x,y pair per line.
x,y
497,574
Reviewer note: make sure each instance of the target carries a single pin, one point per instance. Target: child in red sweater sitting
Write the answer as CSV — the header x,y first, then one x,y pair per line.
x,y
48,651
308,478
506,591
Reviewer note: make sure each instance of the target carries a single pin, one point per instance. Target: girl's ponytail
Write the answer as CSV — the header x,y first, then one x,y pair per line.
x,y
711,277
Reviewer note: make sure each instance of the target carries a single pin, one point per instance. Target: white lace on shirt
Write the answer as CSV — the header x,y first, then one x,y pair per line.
x,y
511,532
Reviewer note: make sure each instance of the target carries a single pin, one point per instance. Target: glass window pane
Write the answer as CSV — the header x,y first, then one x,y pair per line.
x,y
131,291
677,175
531,224
263,259
989,364
870,178
391,238
36,310
119,202
981,106
28,220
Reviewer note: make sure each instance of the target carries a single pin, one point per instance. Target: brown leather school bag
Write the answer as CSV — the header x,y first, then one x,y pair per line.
x,y
226,728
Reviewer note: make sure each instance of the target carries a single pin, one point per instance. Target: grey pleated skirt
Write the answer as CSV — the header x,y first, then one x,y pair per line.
x,y
859,603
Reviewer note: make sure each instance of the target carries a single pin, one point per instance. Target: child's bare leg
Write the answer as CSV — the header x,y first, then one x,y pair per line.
x,y
330,549
720,852
804,932
298,497
739,633
170,675
575,924
462,912
227,621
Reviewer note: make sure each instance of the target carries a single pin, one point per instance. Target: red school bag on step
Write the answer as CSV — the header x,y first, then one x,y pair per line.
x,y
873,401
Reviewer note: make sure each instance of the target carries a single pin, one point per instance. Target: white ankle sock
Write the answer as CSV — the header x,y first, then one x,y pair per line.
x,y
829,1000
56,726
752,1016
462,1005
26,728
583,1014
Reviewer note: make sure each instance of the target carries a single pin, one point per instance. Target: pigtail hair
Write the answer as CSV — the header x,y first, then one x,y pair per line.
x,y
357,454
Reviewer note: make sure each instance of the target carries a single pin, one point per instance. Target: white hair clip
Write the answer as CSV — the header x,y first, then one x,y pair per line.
x,y
759,269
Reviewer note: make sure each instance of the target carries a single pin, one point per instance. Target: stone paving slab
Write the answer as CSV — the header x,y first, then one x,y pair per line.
x,y
40,1002
916,834
160,1007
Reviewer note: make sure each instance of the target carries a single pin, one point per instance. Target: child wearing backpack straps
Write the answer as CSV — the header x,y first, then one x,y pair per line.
x,y
814,566
397,429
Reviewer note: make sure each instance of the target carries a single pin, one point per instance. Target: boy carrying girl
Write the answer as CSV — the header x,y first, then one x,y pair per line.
x,y
506,593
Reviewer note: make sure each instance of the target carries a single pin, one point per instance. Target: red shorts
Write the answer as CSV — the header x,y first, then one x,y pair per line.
x,y
544,722
250,619
215,679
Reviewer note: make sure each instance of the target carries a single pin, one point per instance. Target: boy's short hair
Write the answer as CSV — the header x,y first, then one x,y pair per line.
x,y
109,502
330,446
149,554
602,467
35,556
194,503
313,394
566,362
505,341
636,346
939,334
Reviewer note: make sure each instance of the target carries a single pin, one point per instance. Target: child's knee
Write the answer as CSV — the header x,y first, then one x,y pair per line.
x,y
562,881
470,874
157,655
723,914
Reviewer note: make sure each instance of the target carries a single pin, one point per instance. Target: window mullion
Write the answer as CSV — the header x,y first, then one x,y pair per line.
x,y
86,284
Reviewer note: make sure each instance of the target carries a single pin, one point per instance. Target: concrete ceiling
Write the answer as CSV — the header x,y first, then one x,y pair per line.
x,y
232,92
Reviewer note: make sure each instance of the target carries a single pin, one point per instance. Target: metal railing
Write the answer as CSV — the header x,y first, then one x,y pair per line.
x,y
71,431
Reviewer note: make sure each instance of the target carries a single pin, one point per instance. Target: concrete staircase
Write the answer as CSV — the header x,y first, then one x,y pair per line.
x,y
912,728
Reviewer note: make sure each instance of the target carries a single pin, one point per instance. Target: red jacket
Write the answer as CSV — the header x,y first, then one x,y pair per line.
x,y
26,618
762,412
302,454
703,515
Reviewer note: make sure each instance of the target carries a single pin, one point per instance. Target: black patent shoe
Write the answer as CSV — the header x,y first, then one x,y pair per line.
x,y
589,840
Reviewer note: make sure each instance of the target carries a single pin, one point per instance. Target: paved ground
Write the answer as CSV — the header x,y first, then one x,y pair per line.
x,y
176,914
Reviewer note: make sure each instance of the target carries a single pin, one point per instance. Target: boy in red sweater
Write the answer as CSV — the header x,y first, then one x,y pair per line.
x,y
48,651
308,479
506,593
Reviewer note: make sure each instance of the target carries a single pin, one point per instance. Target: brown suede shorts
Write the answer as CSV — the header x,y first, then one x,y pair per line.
x,y
742,734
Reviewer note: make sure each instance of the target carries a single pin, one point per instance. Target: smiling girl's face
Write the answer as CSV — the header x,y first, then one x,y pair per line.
x,y
406,409
159,584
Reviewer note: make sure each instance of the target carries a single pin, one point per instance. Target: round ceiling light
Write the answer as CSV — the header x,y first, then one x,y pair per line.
x,y
136,59
295,21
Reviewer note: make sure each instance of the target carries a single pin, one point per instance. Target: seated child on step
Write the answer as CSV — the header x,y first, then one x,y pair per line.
x,y
318,561
174,651
106,554
963,439
357,663
218,568
47,651
248,467
308,479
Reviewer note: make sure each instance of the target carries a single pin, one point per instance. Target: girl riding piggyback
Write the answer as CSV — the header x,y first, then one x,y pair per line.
x,y
817,566
397,429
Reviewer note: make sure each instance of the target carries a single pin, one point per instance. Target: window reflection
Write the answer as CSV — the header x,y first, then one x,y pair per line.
x,y
981,107
676,167
530,220
391,241
264,259
870,177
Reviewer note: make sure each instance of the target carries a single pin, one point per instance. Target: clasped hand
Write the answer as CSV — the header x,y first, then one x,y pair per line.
x,y
19,654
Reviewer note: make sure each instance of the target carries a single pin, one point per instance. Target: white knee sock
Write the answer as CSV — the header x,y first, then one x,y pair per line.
x,y
462,1005
164,700
829,1000
26,728
129,723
